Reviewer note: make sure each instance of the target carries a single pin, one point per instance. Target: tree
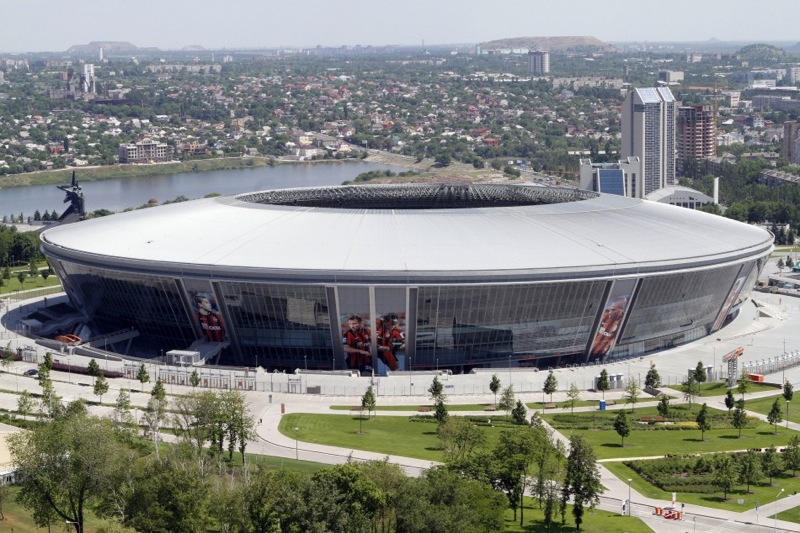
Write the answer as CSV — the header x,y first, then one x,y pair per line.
x,y
94,368
550,385
520,414
663,406
652,380
513,459
100,387
622,425
781,264
725,473
750,469
507,399
368,401
573,396
632,392
771,463
441,413
703,421
159,392
494,386
7,356
153,419
603,383
788,394
581,480
123,419
436,390
690,389
459,438
791,454
65,466
739,417
142,376
25,404
194,379
729,401
744,383
774,416
48,361
700,375
21,277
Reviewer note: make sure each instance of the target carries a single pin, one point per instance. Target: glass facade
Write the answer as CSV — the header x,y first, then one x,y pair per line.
x,y
288,326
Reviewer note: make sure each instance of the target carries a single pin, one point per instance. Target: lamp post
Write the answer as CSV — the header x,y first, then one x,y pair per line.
x,y
776,511
296,447
787,414
629,496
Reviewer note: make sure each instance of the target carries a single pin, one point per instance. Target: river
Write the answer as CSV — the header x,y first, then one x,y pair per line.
x,y
119,194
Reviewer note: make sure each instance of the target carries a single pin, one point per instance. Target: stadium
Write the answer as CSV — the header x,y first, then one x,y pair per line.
x,y
405,277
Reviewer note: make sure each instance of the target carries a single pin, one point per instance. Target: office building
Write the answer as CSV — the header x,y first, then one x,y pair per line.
x,y
697,133
648,132
539,62
618,178
791,141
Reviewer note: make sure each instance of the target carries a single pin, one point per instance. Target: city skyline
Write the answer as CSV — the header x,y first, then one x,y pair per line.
x,y
39,27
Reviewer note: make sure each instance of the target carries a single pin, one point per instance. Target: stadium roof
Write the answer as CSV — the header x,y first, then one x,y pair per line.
x,y
579,235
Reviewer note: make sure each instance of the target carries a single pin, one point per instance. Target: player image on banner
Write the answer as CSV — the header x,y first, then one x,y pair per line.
x,y
207,314
356,342
391,335
726,307
612,318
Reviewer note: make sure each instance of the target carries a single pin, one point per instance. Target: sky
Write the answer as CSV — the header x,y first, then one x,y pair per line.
x,y
51,26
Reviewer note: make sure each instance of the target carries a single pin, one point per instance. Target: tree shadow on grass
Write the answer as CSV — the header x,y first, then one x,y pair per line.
x,y
612,445
693,440
729,437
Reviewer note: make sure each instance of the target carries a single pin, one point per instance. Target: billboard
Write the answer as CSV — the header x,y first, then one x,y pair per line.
x,y
612,318
207,314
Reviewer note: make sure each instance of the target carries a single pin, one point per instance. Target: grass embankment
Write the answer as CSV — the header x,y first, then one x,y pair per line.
x,y
763,406
720,388
594,521
762,493
679,436
99,173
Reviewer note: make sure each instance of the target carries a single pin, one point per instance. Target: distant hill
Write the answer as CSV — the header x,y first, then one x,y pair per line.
x,y
551,44
107,46
761,52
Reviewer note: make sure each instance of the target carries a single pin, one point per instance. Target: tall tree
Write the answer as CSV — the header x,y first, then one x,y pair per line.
x,y
622,426
771,463
93,368
700,375
725,473
494,386
663,406
142,376
788,394
100,387
744,383
774,416
159,392
440,413
739,417
581,480
730,401
632,393
368,401
194,379
690,389
519,414
750,471
653,379
436,390
791,454
550,385
459,438
573,397
65,466
507,399
603,383
703,421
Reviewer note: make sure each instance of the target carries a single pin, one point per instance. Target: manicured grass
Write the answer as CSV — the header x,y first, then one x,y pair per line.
x,y
762,493
763,405
654,442
419,408
790,515
395,435
720,388
561,405
594,521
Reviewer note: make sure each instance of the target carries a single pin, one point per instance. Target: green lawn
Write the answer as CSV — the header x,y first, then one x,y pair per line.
x,y
790,515
594,521
720,388
763,405
653,441
762,493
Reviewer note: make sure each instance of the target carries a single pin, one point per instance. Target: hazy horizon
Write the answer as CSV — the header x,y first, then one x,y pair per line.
x,y
43,26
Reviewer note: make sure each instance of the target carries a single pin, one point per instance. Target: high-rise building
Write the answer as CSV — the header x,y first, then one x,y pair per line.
x,y
87,79
648,132
697,134
618,178
539,62
791,141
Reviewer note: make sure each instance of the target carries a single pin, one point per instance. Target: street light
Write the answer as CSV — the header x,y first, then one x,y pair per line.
x,y
296,448
629,496
776,510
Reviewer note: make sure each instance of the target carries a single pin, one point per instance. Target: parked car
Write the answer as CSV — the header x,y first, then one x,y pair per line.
x,y
31,372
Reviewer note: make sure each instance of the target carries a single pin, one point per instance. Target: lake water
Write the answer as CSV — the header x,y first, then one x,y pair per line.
x,y
120,194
